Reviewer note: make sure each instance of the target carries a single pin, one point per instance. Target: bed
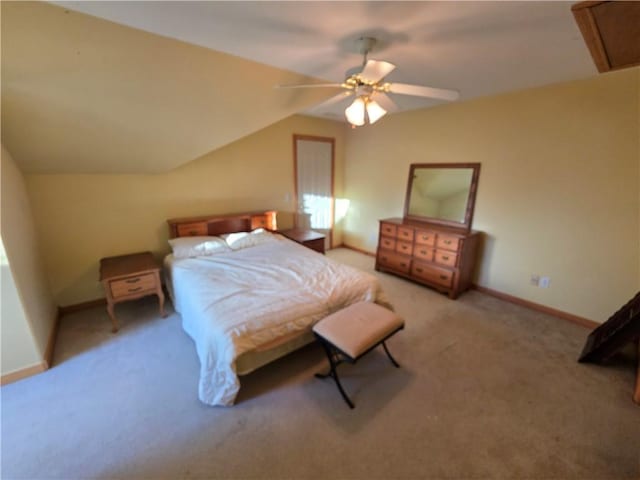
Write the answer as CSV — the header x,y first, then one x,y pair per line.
x,y
256,301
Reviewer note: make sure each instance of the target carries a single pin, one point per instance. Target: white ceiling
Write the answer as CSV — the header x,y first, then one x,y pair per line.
x,y
478,48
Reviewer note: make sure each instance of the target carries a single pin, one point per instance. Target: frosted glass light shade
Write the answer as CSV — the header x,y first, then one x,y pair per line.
x,y
355,112
374,111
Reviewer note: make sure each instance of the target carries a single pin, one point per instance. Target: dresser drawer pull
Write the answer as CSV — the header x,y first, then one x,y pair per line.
x,y
423,252
137,289
133,280
447,242
419,270
444,257
443,277
384,258
193,233
402,264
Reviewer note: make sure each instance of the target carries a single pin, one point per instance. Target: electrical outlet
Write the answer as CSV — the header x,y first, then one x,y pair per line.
x,y
535,279
545,282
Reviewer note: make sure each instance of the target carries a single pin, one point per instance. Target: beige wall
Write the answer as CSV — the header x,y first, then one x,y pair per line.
x,y
28,311
558,189
18,345
82,218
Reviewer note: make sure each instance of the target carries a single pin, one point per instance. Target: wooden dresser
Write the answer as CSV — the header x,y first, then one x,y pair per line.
x,y
437,256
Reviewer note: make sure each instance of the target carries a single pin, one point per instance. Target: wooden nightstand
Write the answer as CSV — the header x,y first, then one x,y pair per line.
x,y
128,277
308,238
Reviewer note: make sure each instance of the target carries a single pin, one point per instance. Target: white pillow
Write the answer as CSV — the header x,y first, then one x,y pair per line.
x,y
248,239
185,247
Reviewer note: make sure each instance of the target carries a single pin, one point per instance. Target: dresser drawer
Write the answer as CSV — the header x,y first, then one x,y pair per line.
x,y
405,233
132,285
423,252
448,242
425,238
444,257
192,229
432,274
404,247
388,243
395,261
388,229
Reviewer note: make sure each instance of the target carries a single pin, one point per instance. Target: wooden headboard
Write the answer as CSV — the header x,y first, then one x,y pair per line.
x,y
219,224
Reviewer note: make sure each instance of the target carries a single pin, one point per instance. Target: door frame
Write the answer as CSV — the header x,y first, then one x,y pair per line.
x,y
314,138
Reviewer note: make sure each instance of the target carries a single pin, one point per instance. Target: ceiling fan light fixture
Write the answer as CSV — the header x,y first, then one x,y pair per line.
x,y
355,112
374,111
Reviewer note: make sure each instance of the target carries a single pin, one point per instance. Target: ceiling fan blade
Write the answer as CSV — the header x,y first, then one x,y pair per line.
x,y
335,99
420,91
311,85
375,70
385,102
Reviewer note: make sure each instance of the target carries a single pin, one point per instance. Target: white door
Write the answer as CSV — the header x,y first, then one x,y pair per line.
x,y
314,184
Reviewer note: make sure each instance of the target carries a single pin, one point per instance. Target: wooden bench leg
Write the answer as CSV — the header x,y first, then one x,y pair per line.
x,y
334,373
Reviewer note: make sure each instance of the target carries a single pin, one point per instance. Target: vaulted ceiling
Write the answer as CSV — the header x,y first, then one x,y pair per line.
x,y
147,86
85,95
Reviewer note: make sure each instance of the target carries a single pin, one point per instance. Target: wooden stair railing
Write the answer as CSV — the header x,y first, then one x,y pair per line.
x,y
620,329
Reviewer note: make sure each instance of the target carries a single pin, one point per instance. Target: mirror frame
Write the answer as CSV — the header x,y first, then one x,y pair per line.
x,y
471,200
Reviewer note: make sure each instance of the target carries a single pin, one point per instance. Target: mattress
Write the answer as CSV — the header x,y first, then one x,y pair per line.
x,y
243,301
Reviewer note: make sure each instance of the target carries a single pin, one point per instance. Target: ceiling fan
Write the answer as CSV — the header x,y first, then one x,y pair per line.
x,y
368,85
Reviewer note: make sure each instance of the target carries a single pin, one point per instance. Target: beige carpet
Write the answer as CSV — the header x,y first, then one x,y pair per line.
x,y
486,390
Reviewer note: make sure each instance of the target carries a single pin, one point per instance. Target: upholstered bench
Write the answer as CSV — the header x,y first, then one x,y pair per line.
x,y
353,332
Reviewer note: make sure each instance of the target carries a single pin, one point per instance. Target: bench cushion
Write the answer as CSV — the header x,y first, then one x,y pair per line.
x,y
358,327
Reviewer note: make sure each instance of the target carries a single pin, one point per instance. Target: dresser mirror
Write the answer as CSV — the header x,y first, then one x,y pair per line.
x,y
442,193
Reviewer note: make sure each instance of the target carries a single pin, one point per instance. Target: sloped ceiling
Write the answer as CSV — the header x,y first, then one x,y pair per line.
x,y
477,47
85,95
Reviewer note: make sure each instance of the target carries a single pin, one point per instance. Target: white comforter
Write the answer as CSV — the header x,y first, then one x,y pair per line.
x,y
234,302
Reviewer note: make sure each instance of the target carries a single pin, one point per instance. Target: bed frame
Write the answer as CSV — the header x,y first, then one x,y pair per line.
x,y
220,224
232,223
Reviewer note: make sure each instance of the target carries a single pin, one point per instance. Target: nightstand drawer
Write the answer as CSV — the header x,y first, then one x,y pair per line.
x,y
132,285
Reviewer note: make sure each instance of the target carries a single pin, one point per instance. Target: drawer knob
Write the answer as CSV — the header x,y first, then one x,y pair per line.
x,y
445,257
133,280
419,270
447,242
443,277
423,252
402,264
137,289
